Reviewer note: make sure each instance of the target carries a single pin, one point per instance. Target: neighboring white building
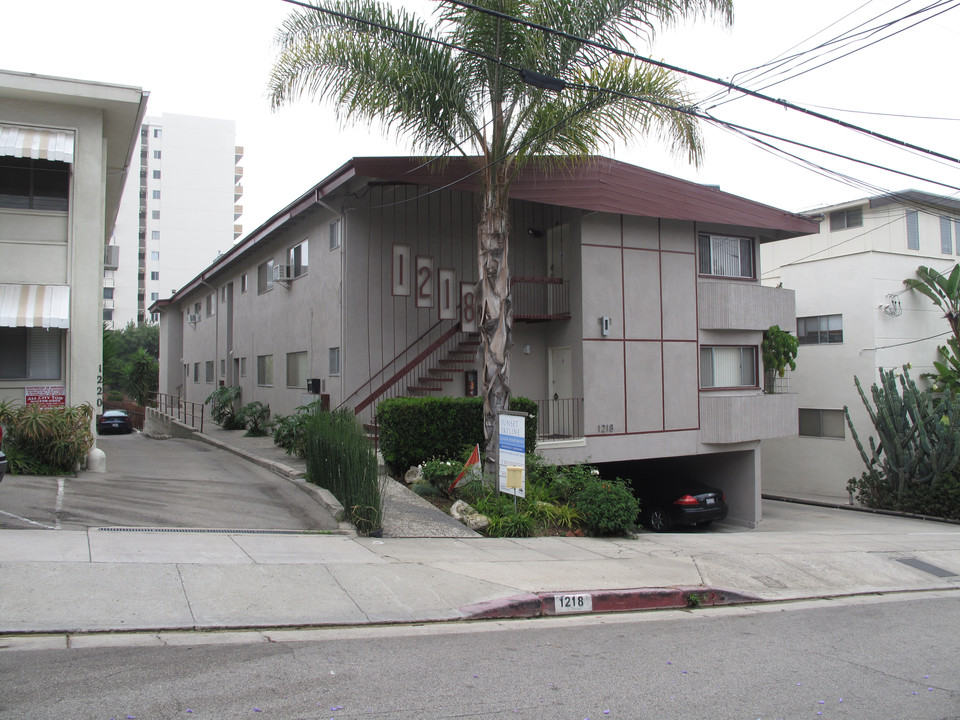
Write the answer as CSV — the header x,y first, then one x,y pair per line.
x,y
65,150
854,315
178,213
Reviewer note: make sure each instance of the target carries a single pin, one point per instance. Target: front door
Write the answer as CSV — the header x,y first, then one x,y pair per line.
x,y
560,387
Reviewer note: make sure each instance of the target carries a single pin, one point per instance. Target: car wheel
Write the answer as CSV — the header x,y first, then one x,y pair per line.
x,y
659,520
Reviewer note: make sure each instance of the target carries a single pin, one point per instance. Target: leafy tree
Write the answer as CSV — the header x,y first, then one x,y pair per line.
x,y
140,376
462,86
127,350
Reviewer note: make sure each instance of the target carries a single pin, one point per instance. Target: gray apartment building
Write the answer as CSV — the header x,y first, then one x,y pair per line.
x,y
638,309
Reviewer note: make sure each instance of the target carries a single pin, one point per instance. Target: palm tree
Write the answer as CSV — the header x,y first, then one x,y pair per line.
x,y
462,86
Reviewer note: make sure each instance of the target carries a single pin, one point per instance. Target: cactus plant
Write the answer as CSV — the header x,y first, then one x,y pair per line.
x,y
918,433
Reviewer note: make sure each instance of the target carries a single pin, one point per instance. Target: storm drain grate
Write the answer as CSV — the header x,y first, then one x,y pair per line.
x,y
213,531
927,567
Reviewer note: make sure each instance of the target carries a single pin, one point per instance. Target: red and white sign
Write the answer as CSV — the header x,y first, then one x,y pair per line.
x,y
45,395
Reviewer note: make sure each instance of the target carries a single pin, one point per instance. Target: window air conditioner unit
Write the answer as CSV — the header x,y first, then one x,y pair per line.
x,y
193,318
282,272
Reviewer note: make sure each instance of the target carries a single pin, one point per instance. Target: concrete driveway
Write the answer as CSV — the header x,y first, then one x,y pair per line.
x,y
171,483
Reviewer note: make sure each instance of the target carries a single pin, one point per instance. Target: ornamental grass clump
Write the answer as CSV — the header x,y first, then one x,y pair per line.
x,y
46,441
341,459
607,507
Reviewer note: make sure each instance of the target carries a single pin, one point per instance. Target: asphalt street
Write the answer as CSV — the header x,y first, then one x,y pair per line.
x,y
171,483
851,658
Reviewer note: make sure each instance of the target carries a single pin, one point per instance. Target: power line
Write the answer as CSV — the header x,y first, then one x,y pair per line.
x,y
701,76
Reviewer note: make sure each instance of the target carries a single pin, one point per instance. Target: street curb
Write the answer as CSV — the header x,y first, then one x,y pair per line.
x,y
531,605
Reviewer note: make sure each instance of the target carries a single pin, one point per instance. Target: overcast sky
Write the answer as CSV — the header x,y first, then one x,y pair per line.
x,y
212,58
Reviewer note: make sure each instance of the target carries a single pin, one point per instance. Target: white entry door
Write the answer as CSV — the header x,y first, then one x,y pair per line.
x,y
560,382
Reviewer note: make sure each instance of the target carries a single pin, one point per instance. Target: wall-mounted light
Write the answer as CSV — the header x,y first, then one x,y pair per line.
x,y
526,349
534,233
604,325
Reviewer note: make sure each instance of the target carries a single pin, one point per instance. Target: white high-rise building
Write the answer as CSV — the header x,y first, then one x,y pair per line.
x,y
178,213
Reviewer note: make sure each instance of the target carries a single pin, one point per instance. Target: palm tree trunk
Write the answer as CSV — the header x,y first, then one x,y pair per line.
x,y
495,319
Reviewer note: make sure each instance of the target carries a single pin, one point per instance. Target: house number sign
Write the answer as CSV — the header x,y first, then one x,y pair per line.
x,y
433,287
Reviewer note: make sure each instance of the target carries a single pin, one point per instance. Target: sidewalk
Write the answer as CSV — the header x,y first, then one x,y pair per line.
x,y
108,579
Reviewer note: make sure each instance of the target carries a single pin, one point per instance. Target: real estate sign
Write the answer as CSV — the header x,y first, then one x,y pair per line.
x,y
512,454
45,395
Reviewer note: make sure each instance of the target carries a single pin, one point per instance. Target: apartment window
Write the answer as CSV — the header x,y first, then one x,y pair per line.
x,y
243,283
728,367
843,219
108,293
154,234
243,367
196,372
334,234
155,214
27,184
156,174
154,317
223,368
946,235
297,259
156,154
154,254
154,297
209,371
264,369
820,329
107,315
30,353
265,276
223,294
726,256
156,132
913,230
297,369
154,275
822,423
211,303
335,361
156,195
197,307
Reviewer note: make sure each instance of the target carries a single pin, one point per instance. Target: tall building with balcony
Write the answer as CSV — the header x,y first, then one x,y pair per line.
x,y
180,210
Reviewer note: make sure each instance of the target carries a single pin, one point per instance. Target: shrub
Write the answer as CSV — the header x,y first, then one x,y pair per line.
x,y
440,473
256,417
46,440
412,430
341,459
511,524
940,500
223,410
608,507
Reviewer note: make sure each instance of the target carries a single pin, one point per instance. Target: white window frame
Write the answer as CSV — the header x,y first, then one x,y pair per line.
x,y
298,258
297,369
826,335
816,416
208,371
711,355
846,219
334,356
265,370
265,277
335,235
724,256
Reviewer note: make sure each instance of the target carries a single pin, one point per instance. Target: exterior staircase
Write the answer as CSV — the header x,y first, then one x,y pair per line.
x,y
454,361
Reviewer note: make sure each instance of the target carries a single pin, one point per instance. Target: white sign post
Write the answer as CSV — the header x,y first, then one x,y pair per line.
x,y
512,459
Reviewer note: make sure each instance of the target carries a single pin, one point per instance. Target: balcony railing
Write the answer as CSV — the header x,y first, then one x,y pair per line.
x,y
560,419
540,298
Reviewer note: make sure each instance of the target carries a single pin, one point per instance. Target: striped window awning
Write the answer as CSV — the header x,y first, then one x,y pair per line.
x,y
36,143
36,306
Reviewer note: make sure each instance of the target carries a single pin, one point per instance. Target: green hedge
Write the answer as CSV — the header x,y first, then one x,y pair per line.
x,y
412,430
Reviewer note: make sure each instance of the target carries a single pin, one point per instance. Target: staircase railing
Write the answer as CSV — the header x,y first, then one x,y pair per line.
x,y
396,385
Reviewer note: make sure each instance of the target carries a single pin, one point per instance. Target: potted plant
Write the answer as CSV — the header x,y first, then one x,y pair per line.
x,y
779,352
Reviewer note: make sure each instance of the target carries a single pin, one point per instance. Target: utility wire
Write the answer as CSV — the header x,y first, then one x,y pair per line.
x,y
700,76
